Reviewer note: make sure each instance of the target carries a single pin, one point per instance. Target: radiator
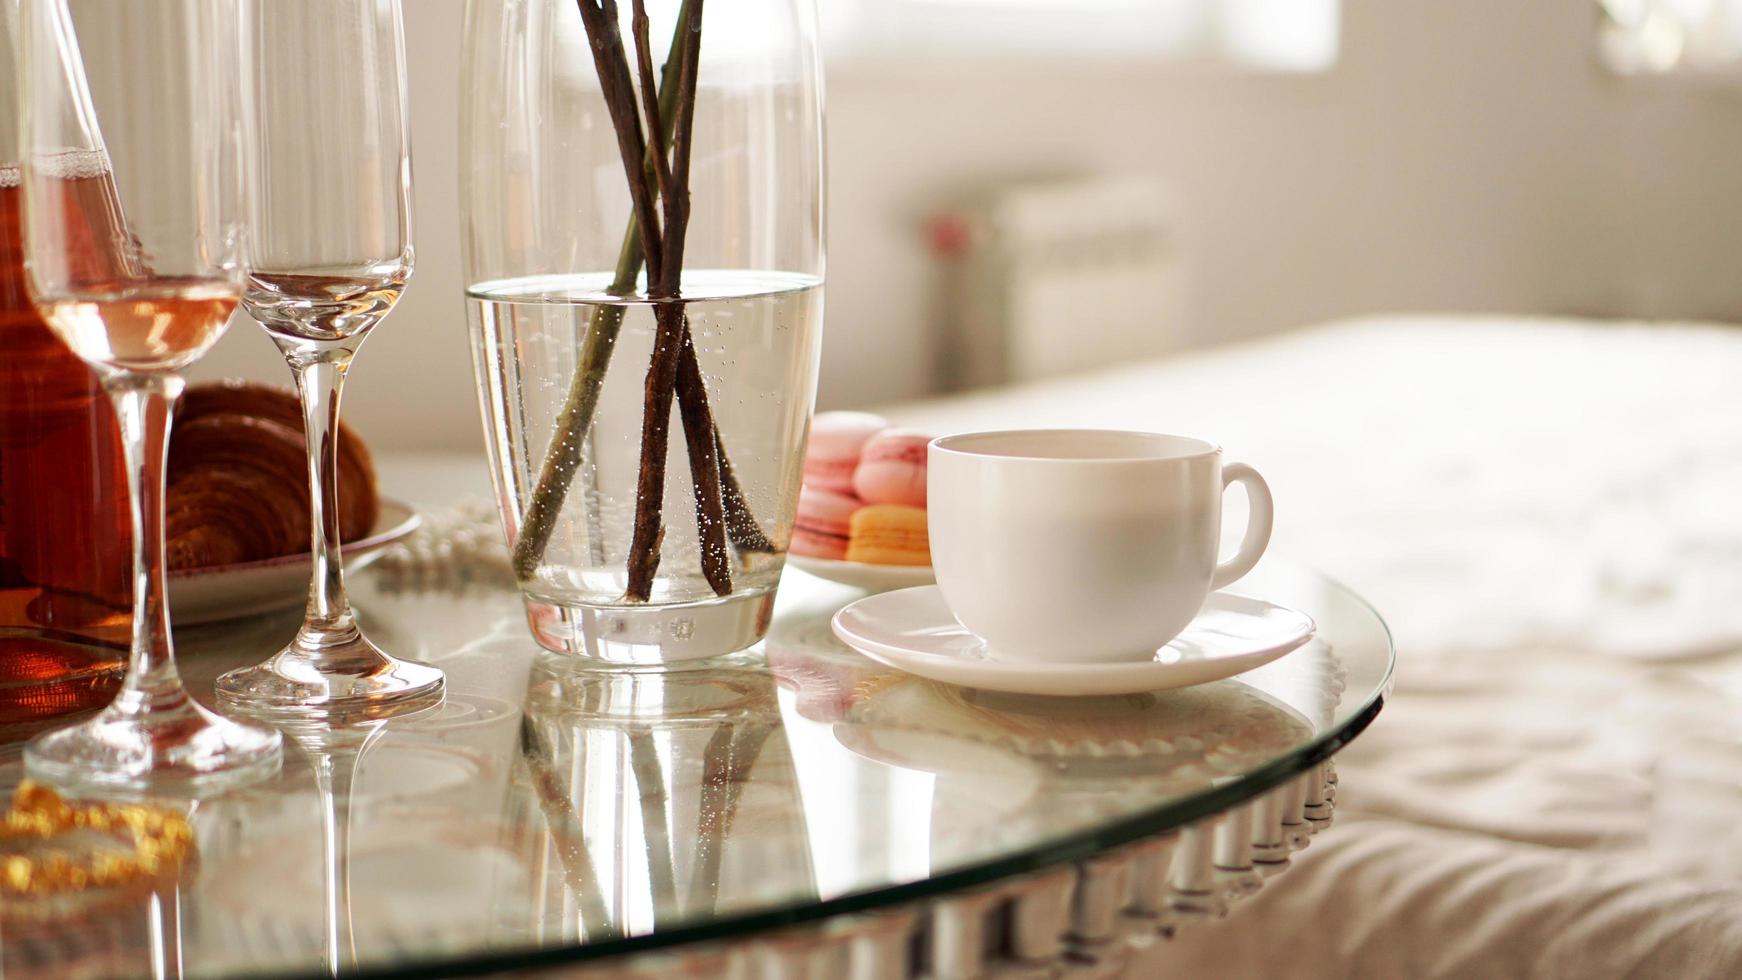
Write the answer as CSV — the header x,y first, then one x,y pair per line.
x,y
1055,277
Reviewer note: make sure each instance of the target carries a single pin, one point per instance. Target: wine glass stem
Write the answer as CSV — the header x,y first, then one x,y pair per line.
x,y
143,403
320,377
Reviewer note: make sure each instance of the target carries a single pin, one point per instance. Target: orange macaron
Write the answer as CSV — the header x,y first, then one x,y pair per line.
x,y
889,534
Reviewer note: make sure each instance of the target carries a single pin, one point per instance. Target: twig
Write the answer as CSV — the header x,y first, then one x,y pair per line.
x,y
564,456
703,443
606,41
575,420
655,441
613,71
656,136
698,421
740,521
677,203
668,341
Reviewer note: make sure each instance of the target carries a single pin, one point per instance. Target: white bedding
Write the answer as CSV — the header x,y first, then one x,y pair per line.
x,y
1549,514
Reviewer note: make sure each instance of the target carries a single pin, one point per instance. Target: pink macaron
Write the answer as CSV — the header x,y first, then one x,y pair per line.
x,y
822,527
833,452
892,468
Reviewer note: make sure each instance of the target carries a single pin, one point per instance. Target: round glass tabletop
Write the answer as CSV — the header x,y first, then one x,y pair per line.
x,y
554,811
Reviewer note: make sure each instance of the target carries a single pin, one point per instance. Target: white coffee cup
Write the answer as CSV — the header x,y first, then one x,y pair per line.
x,y
1083,545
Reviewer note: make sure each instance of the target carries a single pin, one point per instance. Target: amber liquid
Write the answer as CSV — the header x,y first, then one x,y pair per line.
x,y
65,542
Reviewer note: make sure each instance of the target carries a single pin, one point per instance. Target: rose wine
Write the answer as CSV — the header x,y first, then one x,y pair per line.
x,y
108,305
151,324
65,593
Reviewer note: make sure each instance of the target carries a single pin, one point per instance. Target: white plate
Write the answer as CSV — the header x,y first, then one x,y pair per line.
x,y
862,575
210,595
913,630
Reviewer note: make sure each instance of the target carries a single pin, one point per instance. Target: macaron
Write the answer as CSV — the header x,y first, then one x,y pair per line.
x,y
892,468
822,526
835,443
889,534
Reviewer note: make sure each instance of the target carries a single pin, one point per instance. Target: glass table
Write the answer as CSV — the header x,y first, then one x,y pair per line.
x,y
796,801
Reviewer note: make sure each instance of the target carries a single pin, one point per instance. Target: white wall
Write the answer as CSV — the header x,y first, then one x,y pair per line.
x,y
1466,156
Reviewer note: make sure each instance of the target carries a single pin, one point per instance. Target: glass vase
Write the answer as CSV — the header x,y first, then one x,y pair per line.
x,y
645,397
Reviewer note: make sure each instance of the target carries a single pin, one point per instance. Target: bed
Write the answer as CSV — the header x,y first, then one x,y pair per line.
x,y
1550,515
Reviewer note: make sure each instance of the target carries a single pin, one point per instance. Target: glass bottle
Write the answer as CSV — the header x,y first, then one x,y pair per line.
x,y
65,597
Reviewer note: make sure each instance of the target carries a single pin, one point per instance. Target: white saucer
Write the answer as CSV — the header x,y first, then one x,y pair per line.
x,y
864,575
913,630
210,595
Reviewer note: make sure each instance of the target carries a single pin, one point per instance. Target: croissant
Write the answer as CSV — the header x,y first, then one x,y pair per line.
x,y
238,478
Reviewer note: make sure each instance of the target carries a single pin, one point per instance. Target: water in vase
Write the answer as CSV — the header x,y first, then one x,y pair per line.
x,y
539,343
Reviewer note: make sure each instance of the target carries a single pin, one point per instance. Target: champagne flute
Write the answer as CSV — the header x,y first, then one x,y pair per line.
x,y
328,188
132,240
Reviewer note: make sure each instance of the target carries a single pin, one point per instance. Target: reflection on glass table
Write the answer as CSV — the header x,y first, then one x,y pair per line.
x,y
555,810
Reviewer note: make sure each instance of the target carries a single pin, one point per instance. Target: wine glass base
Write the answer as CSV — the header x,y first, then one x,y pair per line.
x,y
181,751
339,685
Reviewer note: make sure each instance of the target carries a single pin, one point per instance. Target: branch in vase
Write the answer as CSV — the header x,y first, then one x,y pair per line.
x,y
702,441
668,343
657,136
563,458
700,436
741,523
656,397
677,201
664,273
612,67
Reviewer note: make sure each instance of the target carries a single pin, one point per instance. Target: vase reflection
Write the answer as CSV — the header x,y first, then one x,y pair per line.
x,y
667,796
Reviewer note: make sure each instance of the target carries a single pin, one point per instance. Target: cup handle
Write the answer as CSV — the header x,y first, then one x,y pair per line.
x,y
1261,515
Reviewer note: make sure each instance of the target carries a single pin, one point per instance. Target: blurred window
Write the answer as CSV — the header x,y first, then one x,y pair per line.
x,y
1654,37
1272,35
